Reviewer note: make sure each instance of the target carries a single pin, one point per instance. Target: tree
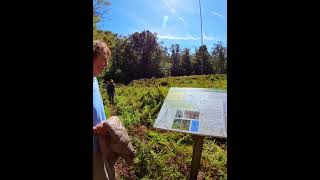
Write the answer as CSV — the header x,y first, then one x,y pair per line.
x,y
186,62
219,55
137,56
140,56
197,63
175,60
100,9
117,55
144,45
165,64
206,59
202,64
156,62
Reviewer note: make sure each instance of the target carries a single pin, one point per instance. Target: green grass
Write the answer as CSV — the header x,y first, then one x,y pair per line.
x,y
165,154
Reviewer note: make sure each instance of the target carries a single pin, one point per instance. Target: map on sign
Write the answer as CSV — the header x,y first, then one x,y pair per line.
x,y
201,111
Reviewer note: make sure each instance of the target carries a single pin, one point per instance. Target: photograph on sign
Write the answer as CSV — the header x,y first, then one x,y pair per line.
x,y
181,124
179,114
194,125
191,114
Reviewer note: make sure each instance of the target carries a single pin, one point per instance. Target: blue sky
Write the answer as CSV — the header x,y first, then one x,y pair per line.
x,y
175,21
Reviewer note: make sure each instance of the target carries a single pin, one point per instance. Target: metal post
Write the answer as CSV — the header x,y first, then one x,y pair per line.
x,y
201,34
201,23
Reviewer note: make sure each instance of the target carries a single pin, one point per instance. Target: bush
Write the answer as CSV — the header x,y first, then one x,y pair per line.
x,y
165,154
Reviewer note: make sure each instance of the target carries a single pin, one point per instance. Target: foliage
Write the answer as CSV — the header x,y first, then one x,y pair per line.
x,y
165,154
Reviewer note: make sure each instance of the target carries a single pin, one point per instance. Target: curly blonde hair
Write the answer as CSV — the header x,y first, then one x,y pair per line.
x,y
100,47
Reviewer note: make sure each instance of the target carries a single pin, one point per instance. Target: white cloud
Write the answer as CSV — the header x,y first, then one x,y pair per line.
x,y
164,22
177,37
217,14
173,11
170,4
136,19
181,19
208,38
189,37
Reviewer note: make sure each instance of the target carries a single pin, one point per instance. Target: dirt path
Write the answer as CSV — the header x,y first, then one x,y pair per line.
x,y
113,110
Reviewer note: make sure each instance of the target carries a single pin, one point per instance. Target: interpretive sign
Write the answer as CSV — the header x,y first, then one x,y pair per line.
x,y
199,111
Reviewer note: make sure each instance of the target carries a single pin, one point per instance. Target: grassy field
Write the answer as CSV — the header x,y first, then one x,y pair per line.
x,y
163,154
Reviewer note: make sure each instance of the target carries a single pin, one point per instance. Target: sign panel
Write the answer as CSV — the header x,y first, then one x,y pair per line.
x,y
201,111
